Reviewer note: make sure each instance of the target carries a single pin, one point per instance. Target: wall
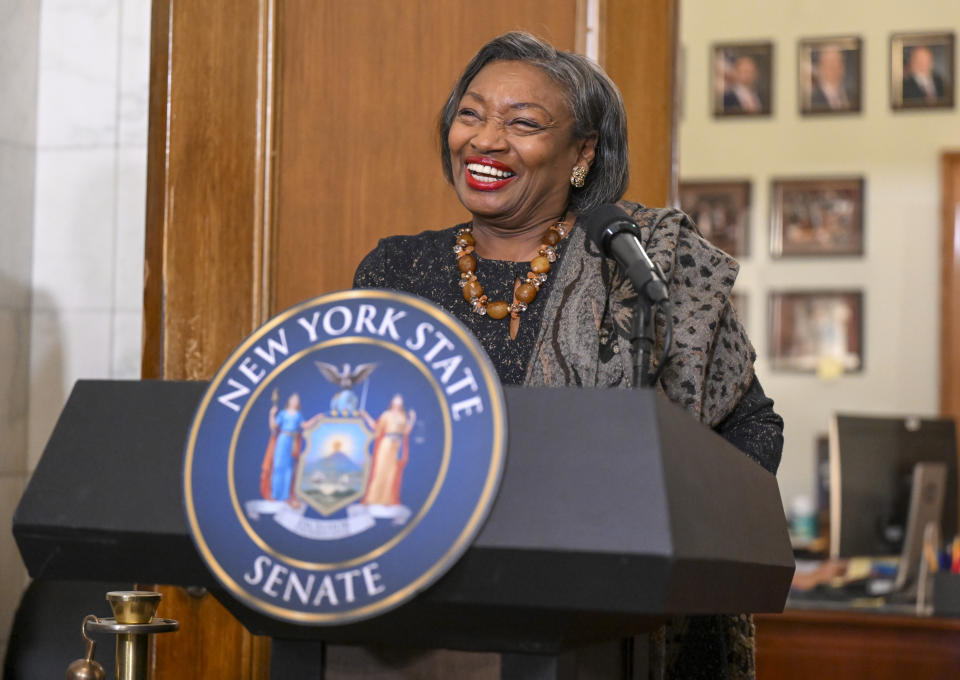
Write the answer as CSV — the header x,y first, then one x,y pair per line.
x,y
897,153
72,190
19,32
90,196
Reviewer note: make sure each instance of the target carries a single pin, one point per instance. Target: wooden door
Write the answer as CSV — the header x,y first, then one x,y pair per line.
x,y
950,285
286,137
357,155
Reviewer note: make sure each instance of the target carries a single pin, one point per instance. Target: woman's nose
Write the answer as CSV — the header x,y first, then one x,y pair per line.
x,y
491,136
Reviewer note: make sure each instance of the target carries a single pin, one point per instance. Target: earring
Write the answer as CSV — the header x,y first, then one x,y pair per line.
x,y
579,176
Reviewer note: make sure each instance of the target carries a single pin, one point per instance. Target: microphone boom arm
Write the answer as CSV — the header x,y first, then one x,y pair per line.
x,y
616,235
648,280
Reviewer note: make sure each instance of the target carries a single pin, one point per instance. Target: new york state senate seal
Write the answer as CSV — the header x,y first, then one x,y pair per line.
x,y
344,457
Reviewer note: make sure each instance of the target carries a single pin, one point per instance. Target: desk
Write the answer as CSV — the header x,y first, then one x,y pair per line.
x,y
822,644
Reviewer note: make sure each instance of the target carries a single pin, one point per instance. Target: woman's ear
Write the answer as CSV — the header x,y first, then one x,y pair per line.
x,y
588,150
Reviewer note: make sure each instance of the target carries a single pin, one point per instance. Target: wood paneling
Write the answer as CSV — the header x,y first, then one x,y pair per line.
x,y
950,286
361,87
638,49
207,182
210,645
800,645
207,191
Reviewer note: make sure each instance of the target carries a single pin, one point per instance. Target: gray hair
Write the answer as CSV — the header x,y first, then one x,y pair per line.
x,y
594,100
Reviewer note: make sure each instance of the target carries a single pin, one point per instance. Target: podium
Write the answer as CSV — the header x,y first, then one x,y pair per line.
x,y
616,511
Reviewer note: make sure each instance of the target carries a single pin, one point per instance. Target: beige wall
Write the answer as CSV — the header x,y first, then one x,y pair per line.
x,y
73,128
19,37
897,153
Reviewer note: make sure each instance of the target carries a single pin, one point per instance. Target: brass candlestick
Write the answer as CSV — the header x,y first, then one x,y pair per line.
x,y
133,622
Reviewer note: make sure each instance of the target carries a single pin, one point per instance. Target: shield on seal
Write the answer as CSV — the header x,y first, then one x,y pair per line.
x,y
334,468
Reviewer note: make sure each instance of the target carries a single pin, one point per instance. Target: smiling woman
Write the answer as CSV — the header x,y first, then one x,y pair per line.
x,y
532,139
512,148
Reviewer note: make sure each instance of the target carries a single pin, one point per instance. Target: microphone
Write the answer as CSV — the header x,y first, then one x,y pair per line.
x,y
617,236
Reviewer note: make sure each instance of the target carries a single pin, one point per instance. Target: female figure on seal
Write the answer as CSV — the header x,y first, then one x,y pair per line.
x,y
276,475
283,449
391,451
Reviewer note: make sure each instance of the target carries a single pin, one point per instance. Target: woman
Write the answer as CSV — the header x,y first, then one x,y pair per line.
x,y
276,476
531,138
283,450
391,451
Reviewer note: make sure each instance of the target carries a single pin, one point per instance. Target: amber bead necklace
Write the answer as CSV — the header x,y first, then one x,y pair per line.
x,y
523,294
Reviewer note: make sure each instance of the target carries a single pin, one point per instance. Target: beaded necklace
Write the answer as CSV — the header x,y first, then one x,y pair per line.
x,y
523,294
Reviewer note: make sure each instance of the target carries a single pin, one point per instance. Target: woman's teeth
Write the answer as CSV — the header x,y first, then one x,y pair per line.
x,y
487,173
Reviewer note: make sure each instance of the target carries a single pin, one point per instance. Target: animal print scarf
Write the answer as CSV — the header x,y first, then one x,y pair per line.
x,y
711,364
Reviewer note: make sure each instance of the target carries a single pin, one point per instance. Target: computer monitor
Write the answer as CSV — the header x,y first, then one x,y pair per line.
x,y
871,468
926,510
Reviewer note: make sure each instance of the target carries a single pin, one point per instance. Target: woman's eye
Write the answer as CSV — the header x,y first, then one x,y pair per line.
x,y
526,124
467,113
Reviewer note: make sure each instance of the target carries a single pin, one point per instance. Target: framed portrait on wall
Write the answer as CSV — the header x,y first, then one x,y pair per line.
x,y
922,70
822,216
817,332
829,75
721,210
742,79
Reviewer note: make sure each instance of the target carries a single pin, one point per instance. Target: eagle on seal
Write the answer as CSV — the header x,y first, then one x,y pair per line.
x,y
346,378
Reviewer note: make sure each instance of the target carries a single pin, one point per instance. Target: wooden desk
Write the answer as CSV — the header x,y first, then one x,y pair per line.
x,y
822,645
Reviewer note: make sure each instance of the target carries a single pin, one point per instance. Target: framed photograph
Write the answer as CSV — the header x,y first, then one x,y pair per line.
x,y
817,332
742,79
921,71
829,75
817,217
721,210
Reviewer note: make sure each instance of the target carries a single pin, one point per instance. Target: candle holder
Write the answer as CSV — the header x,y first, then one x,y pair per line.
x,y
133,623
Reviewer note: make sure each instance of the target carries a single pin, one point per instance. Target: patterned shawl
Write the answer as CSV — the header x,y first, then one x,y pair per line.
x,y
710,368
711,363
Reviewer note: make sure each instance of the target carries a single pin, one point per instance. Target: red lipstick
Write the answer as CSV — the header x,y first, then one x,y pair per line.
x,y
490,181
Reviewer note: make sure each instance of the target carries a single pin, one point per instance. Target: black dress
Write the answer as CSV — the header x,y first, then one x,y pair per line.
x,y
425,265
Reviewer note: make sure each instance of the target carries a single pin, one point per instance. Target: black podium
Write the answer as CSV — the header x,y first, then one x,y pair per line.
x,y
616,511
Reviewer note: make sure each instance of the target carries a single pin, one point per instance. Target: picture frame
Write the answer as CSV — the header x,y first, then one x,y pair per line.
x,y
817,216
817,332
922,73
829,75
741,79
721,210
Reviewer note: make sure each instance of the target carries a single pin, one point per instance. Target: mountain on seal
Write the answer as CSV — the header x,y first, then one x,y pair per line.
x,y
338,464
